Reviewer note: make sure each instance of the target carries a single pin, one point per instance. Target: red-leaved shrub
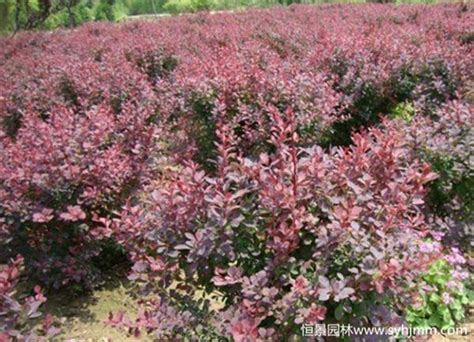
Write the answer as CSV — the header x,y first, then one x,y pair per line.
x,y
16,313
300,164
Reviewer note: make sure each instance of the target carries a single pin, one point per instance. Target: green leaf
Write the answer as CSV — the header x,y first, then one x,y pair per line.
x,y
339,312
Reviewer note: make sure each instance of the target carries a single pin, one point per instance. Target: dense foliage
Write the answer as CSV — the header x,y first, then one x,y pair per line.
x,y
15,313
300,165
50,14
443,301
18,15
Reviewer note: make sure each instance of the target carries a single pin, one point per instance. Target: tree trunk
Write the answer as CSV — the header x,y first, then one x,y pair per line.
x,y
16,23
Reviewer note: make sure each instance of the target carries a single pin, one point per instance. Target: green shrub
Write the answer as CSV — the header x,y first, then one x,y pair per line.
x,y
451,185
183,6
135,7
404,111
444,306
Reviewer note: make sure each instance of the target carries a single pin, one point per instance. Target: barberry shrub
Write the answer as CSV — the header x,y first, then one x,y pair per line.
x,y
445,141
299,164
296,236
17,315
59,178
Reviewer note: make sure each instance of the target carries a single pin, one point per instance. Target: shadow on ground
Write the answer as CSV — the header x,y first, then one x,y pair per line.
x,y
82,316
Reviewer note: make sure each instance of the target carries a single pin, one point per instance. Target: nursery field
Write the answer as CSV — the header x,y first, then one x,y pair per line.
x,y
247,176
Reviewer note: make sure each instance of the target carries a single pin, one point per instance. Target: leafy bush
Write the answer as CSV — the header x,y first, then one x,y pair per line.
x,y
445,141
88,156
57,198
16,314
444,298
110,10
282,252
293,168
81,13
187,6
144,6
